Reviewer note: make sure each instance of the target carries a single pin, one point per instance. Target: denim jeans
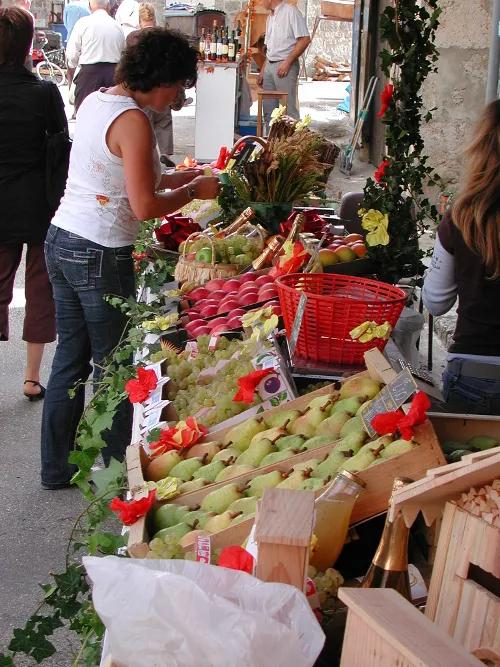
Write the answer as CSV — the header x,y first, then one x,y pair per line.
x,y
469,395
82,273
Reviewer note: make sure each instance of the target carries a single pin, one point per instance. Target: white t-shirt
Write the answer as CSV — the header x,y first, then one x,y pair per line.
x,y
284,27
95,203
95,39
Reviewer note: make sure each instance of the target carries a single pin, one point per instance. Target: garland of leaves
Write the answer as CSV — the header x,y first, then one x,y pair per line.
x,y
67,599
396,210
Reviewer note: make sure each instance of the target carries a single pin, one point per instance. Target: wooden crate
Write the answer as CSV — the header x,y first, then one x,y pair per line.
x,y
465,610
342,10
463,427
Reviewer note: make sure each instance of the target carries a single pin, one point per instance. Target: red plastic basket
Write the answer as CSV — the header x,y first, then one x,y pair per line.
x,y
336,304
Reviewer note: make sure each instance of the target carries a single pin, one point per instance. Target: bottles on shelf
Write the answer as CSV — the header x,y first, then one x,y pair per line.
x,y
231,49
333,514
389,567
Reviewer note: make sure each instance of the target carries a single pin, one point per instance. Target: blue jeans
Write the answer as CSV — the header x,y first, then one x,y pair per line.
x,y
469,395
82,273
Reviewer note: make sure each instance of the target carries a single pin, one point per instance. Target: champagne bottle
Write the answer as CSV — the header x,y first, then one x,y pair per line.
x,y
231,50
297,227
202,43
389,568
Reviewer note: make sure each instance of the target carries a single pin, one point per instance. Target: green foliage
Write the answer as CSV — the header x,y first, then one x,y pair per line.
x,y
408,28
67,599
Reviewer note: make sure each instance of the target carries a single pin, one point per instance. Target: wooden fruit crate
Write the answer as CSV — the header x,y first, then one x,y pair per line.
x,y
342,10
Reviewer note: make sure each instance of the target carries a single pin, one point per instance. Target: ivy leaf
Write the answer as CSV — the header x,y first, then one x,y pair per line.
x,y
109,478
21,642
70,581
6,661
43,649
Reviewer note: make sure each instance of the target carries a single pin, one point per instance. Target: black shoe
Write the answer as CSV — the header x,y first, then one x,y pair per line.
x,y
164,159
35,397
56,486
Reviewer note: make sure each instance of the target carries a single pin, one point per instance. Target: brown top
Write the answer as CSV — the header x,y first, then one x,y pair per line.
x,y
478,324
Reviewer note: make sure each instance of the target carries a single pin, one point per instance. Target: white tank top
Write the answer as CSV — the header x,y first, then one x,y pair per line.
x,y
95,203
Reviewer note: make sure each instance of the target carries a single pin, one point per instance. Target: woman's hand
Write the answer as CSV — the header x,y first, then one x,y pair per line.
x,y
206,187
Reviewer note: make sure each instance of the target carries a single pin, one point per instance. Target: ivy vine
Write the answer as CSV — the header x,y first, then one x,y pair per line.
x,y
408,28
67,598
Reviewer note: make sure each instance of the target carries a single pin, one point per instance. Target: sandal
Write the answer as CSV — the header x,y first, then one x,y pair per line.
x,y
35,397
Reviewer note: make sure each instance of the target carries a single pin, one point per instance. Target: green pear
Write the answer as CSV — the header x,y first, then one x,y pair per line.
x,y
359,386
333,425
351,405
186,469
240,436
352,442
307,424
227,455
290,442
294,480
160,467
233,471
193,485
242,517
168,515
382,442
245,505
354,425
325,402
311,464
276,457
331,464
219,500
319,441
271,434
210,471
256,452
257,485
177,531
364,458
198,518
312,484
482,442
282,418
220,521
207,449
397,447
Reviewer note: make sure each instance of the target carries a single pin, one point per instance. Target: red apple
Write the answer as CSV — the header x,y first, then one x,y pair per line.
x,y
191,326
190,312
268,288
199,293
227,306
359,248
345,254
353,238
262,280
200,331
231,285
221,328
248,299
237,312
218,294
234,323
246,278
218,321
209,311
214,284
276,309
248,285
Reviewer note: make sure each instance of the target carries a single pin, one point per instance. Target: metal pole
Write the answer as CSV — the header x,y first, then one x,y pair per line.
x,y
494,59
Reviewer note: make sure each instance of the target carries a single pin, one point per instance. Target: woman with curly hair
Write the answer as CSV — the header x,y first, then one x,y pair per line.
x,y
114,182
466,264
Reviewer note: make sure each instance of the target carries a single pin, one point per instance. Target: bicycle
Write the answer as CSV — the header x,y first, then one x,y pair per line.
x,y
49,68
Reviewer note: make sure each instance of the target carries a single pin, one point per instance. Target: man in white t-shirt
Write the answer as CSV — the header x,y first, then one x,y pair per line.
x,y
287,37
95,45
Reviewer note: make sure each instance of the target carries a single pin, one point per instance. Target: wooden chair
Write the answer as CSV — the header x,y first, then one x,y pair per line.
x,y
267,95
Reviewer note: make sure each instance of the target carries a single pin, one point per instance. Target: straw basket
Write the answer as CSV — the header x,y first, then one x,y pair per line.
x,y
202,272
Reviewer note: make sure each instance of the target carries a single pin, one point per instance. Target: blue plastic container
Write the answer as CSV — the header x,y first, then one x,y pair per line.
x,y
248,126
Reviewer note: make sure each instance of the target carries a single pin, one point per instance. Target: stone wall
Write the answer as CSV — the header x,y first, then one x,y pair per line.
x,y
459,87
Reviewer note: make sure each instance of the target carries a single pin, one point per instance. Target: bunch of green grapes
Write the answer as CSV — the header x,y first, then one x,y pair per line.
x,y
327,583
166,548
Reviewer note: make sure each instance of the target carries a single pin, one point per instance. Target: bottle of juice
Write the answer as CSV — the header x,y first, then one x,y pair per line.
x,y
333,513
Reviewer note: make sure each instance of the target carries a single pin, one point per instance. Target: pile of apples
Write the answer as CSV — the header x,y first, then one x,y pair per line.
x,y
227,299
343,249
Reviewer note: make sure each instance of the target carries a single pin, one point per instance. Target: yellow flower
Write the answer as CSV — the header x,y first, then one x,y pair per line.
x,y
302,124
376,223
277,113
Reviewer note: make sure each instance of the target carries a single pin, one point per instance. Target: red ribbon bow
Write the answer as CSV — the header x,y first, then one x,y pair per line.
x,y
138,389
175,229
130,512
236,558
390,422
287,264
183,435
381,170
247,385
387,98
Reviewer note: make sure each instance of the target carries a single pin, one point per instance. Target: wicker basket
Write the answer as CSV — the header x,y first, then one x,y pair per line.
x,y
202,272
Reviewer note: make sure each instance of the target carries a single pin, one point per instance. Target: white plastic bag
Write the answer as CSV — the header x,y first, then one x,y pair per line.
x,y
176,613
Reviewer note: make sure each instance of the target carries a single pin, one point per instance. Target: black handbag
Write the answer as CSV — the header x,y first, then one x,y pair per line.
x,y
58,145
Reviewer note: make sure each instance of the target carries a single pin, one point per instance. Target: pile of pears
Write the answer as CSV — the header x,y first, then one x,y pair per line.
x,y
260,442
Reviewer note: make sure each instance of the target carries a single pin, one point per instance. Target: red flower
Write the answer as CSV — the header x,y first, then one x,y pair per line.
x,y
130,512
236,558
387,98
381,170
390,422
182,435
247,385
138,389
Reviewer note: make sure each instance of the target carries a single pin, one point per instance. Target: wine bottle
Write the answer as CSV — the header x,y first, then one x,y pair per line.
x,y
389,567
208,40
225,48
238,37
219,46
231,50
202,43
213,45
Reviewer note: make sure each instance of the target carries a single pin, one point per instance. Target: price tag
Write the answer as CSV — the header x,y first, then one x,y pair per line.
x,y
203,549
389,399
297,323
192,348
213,341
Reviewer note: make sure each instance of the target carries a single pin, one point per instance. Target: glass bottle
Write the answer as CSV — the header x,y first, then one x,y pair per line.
x,y
208,41
297,227
268,254
202,43
213,45
243,217
231,50
333,511
238,37
219,45
389,567
225,48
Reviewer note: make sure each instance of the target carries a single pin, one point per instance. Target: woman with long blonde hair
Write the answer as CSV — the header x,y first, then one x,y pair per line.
x,y
466,265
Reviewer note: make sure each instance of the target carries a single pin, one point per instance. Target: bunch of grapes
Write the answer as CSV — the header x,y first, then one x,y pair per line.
x,y
166,548
327,583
